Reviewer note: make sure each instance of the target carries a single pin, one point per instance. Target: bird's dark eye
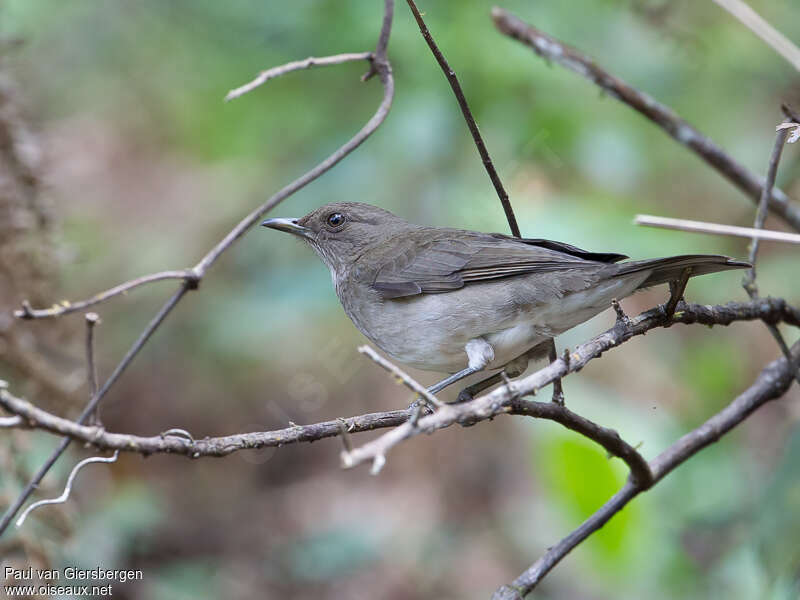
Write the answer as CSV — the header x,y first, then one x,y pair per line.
x,y
335,219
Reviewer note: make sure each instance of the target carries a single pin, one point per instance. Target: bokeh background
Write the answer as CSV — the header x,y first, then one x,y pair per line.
x,y
143,168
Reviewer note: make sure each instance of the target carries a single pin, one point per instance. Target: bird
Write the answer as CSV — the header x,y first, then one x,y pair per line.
x,y
460,302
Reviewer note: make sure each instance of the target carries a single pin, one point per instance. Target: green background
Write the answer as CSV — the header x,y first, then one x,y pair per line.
x,y
148,168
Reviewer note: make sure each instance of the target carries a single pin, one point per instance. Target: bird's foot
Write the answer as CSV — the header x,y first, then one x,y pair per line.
x,y
464,395
676,290
421,406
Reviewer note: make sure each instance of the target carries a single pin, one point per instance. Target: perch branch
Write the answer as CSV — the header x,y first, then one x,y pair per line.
x,y
504,400
555,51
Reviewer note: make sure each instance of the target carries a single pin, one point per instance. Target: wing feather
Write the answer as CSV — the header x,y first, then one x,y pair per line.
x,y
451,259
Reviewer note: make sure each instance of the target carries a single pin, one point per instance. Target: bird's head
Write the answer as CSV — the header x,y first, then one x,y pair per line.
x,y
341,231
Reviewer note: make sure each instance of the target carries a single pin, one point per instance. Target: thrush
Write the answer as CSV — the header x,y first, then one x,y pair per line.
x,y
459,302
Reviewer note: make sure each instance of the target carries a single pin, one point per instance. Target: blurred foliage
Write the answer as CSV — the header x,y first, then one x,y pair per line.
x,y
147,168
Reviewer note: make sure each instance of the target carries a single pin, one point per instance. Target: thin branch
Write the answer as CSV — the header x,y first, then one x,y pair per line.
x,y
555,51
296,65
749,282
92,319
473,126
768,34
772,383
66,307
607,438
404,377
717,229
67,488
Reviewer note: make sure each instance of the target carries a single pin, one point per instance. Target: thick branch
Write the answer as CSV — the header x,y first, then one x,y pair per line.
x,y
219,446
555,51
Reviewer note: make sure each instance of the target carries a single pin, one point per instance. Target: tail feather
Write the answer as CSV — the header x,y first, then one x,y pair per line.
x,y
669,269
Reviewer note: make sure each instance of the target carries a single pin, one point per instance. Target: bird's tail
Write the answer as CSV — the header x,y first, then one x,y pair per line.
x,y
669,269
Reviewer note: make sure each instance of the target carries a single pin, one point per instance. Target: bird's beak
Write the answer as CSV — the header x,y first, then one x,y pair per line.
x,y
289,226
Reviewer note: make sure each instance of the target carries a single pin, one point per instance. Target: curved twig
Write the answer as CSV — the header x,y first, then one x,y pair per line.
x,y
607,438
67,488
296,65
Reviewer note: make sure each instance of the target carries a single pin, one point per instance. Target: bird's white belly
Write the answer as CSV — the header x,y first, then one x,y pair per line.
x,y
430,331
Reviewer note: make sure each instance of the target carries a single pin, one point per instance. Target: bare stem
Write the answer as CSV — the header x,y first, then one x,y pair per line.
x,y
716,229
404,377
749,282
473,126
768,34
296,65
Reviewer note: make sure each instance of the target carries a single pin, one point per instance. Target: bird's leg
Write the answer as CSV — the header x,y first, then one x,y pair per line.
x,y
515,368
676,289
479,354
552,355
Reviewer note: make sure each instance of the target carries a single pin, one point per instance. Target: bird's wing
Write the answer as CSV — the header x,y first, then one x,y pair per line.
x,y
452,259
